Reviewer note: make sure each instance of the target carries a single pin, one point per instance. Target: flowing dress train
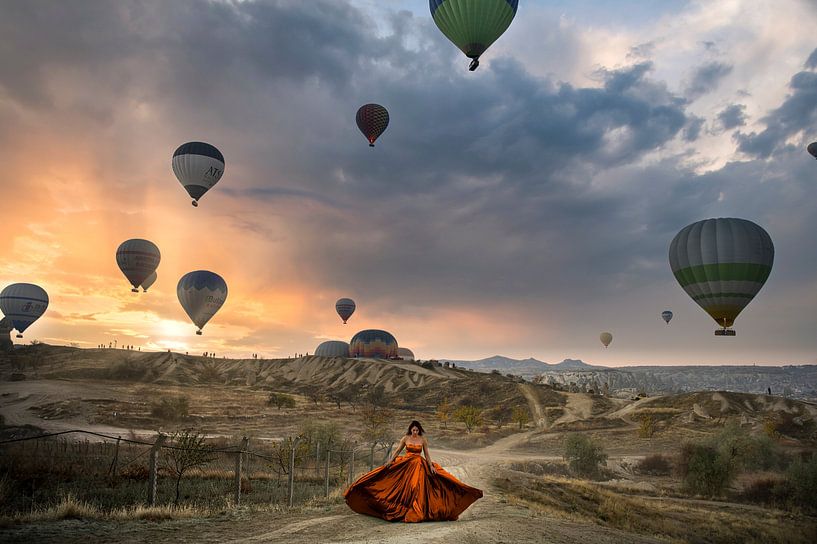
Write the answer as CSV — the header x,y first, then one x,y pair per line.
x,y
407,491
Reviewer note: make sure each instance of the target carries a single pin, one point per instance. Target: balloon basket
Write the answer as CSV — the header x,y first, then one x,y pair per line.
x,y
195,204
19,336
474,65
198,332
134,290
725,332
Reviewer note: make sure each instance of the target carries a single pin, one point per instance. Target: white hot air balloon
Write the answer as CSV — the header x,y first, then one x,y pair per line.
x,y
666,315
23,304
606,338
137,259
201,294
198,166
150,280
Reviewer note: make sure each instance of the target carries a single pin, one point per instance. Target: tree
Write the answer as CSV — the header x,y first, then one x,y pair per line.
x,y
187,451
501,414
470,416
315,394
444,412
583,456
521,416
647,426
281,400
376,426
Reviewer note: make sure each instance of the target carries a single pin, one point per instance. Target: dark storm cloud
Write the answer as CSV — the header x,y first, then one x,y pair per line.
x,y
797,113
732,116
811,62
706,78
693,128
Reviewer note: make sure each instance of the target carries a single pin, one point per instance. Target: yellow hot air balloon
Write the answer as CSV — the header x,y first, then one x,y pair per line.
x,y
606,338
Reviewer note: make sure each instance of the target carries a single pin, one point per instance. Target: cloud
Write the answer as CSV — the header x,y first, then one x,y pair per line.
x,y
732,116
705,78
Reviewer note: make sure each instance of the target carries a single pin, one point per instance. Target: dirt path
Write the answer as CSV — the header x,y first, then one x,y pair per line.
x,y
579,407
535,406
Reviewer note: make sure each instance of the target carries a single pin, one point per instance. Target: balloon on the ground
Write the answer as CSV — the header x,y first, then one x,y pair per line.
x,y
332,348
23,304
473,25
405,353
201,294
149,281
606,338
666,315
345,308
137,259
722,264
812,148
198,166
372,120
373,343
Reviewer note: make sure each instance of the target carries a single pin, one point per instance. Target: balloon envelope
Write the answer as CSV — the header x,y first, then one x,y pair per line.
x,y
137,259
373,343
332,348
722,264
150,280
201,294
198,166
405,353
23,304
812,148
606,338
372,120
345,308
473,25
666,315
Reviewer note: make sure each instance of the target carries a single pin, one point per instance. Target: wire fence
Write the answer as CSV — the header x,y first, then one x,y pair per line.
x,y
111,472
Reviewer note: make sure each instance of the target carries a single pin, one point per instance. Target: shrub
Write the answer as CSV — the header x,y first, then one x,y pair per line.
x,y
767,491
171,408
521,416
281,400
647,427
704,470
583,456
656,465
470,416
802,477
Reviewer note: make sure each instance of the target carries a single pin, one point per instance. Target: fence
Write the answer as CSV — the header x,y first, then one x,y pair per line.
x,y
112,472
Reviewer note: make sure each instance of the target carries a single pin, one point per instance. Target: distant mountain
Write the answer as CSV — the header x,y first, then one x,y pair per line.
x,y
527,368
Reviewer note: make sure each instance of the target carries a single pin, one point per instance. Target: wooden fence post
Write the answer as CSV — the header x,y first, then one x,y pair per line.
x,y
317,458
238,456
112,470
326,473
291,490
153,475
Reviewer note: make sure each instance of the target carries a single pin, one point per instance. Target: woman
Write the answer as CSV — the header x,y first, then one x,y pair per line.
x,y
411,488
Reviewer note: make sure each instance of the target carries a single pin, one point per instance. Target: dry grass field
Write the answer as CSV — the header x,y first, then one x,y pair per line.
x,y
641,492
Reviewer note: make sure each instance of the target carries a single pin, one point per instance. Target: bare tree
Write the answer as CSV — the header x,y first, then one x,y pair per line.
x,y
187,451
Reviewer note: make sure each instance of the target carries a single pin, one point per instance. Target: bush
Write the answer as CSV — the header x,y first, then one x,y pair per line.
x,y
471,416
656,465
802,478
171,408
705,471
647,427
767,491
583,456
281,400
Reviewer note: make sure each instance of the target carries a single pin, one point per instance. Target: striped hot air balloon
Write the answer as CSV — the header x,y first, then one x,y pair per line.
x,y
198,166
137,259
201,294
722,264
23,304
345,308
332,348
473,25
372,120
149,281
373,343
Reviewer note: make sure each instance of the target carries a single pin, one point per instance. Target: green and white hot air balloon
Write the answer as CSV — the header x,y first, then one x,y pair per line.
x,y
722,264
473,25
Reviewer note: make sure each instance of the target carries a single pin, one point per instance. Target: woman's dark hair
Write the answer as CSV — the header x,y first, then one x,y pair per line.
x,y
415,423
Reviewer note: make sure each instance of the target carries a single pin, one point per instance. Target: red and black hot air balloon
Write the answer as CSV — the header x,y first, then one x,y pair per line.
x,y
372,120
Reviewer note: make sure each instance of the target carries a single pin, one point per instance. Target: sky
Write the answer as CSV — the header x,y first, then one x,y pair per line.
x,y
520,209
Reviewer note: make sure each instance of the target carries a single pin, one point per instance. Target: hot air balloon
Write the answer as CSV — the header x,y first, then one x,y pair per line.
x,y
198,166
812,148
345,308
332,348
473,25
201,294
666,315
23,304
150,280
137,259
373,343
722,264
606,338
405,353
372,120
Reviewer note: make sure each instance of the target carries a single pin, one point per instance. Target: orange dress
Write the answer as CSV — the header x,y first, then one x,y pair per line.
x,y
407,491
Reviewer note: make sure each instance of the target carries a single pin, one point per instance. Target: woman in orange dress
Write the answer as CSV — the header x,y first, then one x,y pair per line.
x,y
411,488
